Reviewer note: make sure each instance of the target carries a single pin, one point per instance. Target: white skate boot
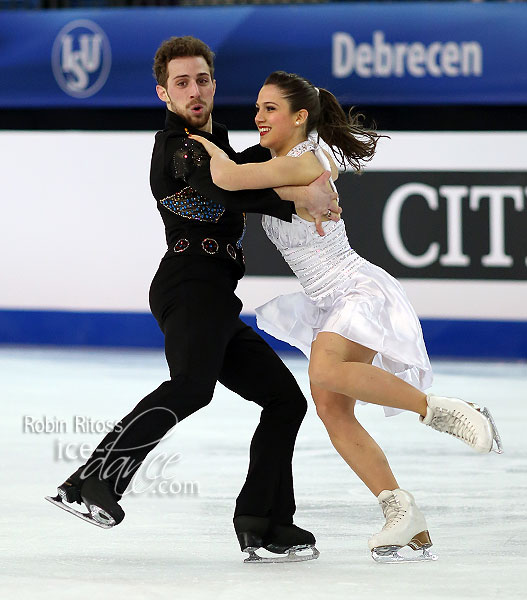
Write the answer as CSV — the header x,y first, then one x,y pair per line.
x,y
405,526
464,420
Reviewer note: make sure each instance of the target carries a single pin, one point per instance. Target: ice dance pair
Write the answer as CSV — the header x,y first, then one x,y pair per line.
x,y
352,320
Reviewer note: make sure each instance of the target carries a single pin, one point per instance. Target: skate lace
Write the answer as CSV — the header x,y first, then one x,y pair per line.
x,y
393,512
456,424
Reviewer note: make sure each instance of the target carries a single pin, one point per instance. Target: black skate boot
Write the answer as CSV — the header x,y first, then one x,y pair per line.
x,y
99,500
70,491
290,539
257,532
250,531
282,537
95,494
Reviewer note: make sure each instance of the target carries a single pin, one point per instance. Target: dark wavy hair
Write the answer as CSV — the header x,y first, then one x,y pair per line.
x,y
178,47
343,133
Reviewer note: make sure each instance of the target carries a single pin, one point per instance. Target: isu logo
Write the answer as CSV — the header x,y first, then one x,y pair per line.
x,y
81,58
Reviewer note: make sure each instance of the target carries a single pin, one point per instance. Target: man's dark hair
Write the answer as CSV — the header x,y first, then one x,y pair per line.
x,y
178,47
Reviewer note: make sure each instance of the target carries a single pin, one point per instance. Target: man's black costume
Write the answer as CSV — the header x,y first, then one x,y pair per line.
x,y
192,298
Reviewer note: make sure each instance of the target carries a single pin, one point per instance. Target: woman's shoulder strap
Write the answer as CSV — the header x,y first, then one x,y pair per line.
x,y
302,148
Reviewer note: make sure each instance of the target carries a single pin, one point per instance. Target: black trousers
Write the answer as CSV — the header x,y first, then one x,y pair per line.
x,y
194,303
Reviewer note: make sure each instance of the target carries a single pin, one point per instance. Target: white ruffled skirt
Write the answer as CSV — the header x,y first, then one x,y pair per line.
x,y
370,308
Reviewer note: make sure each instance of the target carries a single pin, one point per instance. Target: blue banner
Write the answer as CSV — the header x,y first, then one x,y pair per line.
x,y
403,53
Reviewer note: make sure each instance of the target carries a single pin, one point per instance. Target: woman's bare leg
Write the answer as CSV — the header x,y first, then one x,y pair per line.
x,y
342,366
339,371
352,441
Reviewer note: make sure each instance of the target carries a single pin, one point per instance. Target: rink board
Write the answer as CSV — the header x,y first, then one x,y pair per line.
x,y
81,243
443,337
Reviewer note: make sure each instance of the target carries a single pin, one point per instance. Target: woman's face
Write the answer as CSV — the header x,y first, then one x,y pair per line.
x,y
274,119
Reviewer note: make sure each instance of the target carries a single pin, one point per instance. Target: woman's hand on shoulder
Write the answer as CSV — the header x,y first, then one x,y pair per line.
x,y
209,146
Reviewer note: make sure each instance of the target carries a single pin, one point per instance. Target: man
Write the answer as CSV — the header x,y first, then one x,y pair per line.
x,y
192,298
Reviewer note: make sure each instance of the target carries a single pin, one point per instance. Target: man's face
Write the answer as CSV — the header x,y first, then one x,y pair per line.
x,y
190,90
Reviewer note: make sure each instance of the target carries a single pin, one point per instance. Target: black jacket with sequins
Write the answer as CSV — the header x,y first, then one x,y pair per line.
x,y
192,207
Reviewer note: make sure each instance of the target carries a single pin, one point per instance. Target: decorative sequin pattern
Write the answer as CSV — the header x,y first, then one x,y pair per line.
x,y
239,242
321,263
181,245
210,246
189,204
187,155
231,251
302,148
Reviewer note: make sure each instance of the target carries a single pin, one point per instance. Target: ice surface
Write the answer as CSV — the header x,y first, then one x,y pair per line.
x,y
182,545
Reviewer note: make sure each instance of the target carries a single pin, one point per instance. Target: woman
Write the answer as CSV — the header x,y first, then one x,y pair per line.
x,y
353,319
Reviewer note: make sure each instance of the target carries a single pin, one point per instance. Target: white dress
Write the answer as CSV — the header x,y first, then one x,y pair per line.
x,y
342,293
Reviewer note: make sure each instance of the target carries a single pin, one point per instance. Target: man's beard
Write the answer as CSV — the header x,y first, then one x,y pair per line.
x,y
198,120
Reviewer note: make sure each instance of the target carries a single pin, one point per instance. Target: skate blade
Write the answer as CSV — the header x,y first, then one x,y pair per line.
x,y
496,438
291,556
57,501
398,554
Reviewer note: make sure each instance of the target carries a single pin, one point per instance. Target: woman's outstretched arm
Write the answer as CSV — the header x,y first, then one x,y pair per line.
x,y
275,173
310,189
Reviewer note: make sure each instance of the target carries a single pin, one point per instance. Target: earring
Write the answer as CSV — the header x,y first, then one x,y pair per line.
x,y
297,122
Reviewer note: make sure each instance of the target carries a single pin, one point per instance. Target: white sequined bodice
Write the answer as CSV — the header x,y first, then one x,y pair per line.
x,y
321,263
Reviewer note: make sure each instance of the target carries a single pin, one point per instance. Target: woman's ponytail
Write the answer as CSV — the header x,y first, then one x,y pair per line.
x,y
351,142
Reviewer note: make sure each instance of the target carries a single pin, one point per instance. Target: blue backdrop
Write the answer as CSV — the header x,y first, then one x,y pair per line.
x,y
408,53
